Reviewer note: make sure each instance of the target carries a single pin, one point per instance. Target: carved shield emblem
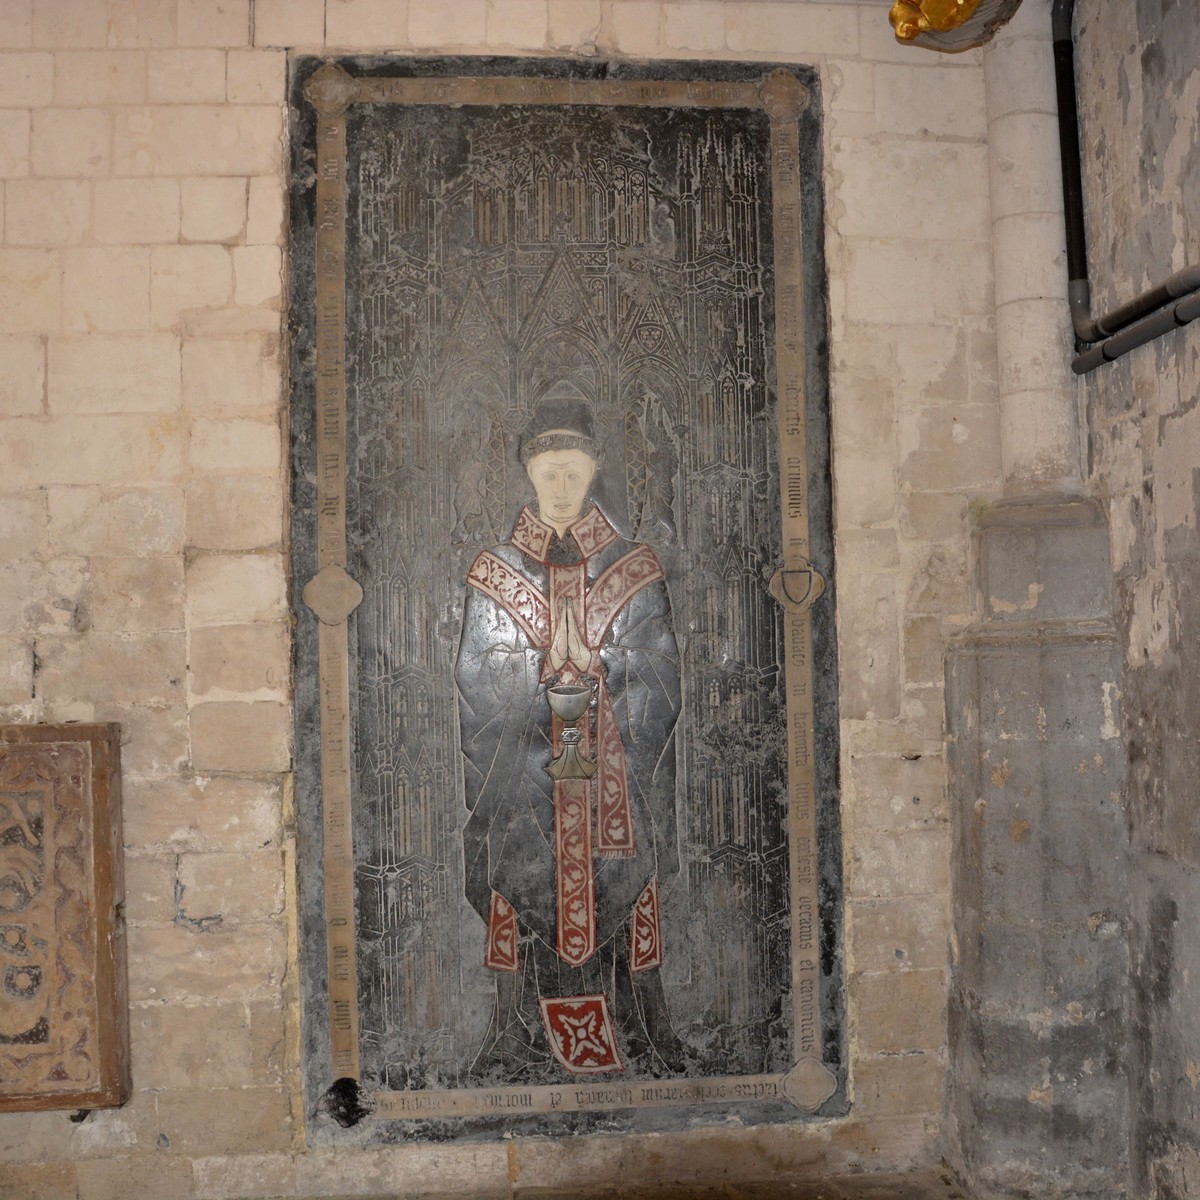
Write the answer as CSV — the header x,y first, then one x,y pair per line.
x,y
799,588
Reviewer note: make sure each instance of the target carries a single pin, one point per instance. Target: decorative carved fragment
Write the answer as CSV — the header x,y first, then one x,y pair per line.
x,y
950,26
64,1038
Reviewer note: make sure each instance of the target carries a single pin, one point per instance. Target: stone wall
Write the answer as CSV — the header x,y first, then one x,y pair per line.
x,y
1038,1019
1137,73
143,521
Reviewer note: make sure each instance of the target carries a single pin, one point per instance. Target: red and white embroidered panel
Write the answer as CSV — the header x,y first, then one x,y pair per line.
x,y
515,594
532,536
501,951
575,870
614,812
592,532
616,587
581,1034
645,938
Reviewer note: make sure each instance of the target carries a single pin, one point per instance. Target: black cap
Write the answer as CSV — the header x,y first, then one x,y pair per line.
x,y
560,422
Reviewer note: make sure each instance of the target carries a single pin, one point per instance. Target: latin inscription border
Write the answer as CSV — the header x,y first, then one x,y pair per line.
x,y
331,91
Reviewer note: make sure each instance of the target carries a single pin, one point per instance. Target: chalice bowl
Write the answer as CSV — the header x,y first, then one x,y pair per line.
x,y
569,702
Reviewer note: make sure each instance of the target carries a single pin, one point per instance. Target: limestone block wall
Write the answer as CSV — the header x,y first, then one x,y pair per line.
x,y
142,527
1143,426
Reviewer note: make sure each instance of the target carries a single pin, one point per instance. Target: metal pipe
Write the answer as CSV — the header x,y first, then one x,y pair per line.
x,y
1068,139
1089,329
1079,291
1181,313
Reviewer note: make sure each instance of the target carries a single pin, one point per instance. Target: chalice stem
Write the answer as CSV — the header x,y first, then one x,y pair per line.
x,y
569,703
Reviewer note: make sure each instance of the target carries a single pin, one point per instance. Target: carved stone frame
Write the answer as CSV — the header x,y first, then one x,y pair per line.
x,y
82,1058
813,1084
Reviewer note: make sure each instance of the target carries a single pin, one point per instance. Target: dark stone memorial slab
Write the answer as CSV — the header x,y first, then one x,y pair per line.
x,y
567,680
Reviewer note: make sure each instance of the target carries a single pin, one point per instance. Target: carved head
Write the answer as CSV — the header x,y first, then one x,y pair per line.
x,y
561,479
560,457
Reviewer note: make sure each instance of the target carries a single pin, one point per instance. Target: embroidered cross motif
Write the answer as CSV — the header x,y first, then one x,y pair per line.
x,y
581,1034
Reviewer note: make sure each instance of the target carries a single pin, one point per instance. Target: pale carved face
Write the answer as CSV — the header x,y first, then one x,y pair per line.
x,y
561,479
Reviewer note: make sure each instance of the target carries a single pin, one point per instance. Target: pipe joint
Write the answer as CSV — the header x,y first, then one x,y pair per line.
x,y
1184,282
1165,320
1079,296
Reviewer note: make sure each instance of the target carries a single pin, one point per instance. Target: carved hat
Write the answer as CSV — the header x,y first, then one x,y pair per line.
x,y
561,421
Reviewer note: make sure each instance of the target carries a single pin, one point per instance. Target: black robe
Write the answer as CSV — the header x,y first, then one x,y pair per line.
x,y
509,837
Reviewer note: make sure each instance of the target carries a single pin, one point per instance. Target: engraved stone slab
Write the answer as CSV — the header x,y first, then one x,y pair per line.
x,y
567,689
64,1039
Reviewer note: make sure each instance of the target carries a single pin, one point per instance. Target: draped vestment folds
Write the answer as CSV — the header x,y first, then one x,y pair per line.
x,y
566,875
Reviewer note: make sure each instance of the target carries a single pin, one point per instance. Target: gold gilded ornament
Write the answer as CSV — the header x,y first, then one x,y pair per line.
x,y
911,18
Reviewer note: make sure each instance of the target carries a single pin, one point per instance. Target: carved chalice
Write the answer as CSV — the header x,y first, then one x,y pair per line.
x,y
569,702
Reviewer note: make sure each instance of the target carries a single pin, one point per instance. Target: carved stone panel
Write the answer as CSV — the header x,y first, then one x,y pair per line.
x,y
567,695
63,1013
